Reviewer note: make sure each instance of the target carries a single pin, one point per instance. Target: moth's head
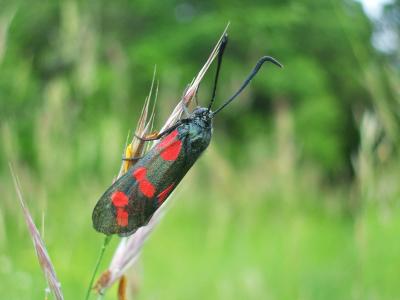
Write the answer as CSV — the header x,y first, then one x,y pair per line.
x,y
202,116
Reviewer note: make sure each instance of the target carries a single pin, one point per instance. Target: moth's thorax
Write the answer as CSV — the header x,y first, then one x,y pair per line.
x,y
197,132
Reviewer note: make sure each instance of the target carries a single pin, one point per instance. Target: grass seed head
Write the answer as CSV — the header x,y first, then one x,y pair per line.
x,y
129,248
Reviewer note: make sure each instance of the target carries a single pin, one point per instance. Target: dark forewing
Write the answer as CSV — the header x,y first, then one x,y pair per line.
x,y
131,201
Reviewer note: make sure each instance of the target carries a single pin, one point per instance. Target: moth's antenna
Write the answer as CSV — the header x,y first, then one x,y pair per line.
x,y
253,73
224,42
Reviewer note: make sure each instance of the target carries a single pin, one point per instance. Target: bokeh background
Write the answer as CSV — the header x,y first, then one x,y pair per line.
x,y
297,197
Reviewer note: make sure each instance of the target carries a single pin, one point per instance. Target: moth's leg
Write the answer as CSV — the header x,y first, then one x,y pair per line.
x,y
182,101
132,159
150,137
155,136
196,99
185,110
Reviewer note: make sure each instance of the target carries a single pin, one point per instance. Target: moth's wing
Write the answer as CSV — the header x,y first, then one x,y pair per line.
x,y
119,210
131,201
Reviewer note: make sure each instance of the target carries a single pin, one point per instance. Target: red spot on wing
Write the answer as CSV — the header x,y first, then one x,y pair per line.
x,y
140,174
145,186
164,194
172,151
170,146
122,217
168,139
120,200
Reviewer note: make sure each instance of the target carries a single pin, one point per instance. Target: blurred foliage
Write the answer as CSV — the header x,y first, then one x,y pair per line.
x,y
99,56
297,196
389,26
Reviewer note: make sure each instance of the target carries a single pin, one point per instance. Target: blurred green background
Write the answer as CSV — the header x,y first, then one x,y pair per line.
x,y
297,197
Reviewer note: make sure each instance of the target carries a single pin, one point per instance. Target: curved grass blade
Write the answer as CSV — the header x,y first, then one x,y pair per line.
x,y
38,243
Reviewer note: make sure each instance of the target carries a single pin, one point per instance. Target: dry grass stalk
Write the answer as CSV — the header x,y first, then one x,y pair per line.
x,y
129,248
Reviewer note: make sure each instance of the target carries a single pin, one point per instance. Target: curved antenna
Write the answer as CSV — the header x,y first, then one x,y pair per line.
x,y
253,73
221,50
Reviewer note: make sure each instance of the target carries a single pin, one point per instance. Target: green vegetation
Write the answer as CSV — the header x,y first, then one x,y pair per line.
x,y
296,198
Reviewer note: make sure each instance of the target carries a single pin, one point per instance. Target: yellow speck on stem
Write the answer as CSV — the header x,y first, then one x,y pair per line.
x,y
128,154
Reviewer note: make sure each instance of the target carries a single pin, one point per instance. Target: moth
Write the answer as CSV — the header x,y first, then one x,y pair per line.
x,y
131,201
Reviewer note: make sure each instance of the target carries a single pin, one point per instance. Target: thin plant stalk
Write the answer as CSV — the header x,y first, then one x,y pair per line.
x,y
107,240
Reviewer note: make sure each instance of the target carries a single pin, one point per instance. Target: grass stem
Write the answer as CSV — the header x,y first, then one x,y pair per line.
x,y
107,240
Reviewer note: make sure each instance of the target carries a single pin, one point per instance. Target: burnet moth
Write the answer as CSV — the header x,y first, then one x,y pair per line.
x,y
131,201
